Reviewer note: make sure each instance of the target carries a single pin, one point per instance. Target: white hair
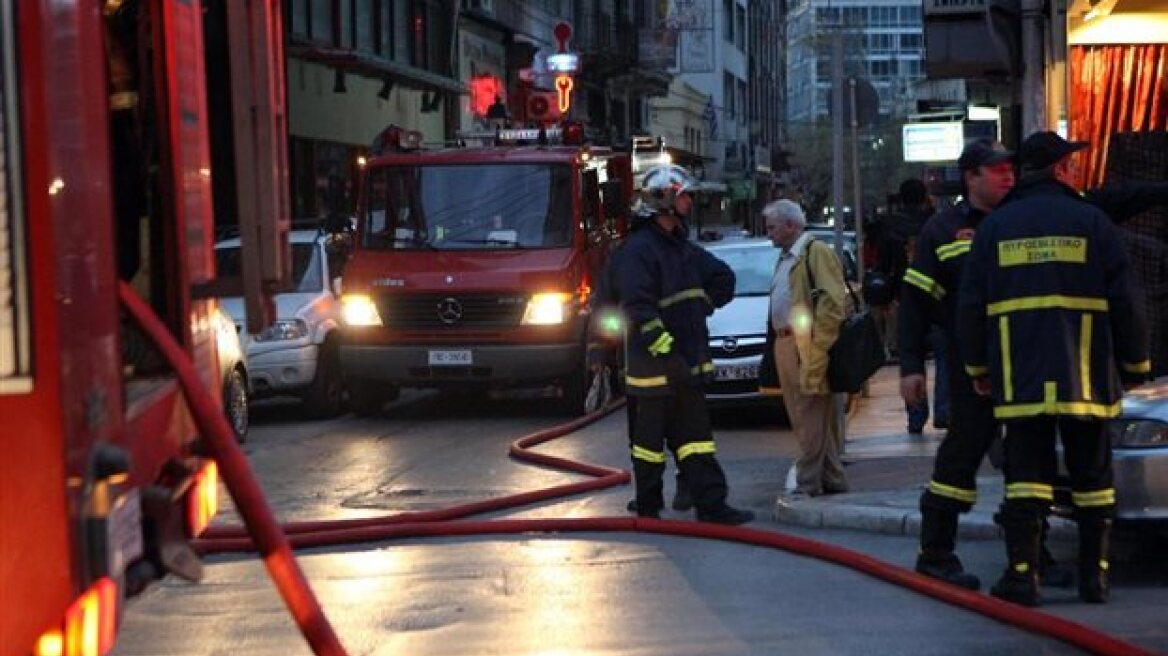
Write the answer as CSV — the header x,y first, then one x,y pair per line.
x,y
785,211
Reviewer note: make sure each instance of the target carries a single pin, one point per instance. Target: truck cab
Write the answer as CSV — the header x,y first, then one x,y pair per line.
x,y
472,266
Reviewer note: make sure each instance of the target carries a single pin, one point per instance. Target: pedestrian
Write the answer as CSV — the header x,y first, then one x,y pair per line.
x,y
928,302
667,286
1048,328
905,227
807,306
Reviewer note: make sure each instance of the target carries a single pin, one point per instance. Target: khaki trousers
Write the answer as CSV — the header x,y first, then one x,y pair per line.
x,y
816,425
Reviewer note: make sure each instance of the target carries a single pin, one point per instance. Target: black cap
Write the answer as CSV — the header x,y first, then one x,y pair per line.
x,y
983,152
1043,149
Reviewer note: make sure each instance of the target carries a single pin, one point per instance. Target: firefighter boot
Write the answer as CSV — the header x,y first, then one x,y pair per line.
x,y
682,499
1094,547
1051,572
1019,583
938,541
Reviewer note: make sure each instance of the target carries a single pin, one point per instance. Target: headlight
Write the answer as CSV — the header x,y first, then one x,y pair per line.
x,y
359,310
284,329
1138,433
547,309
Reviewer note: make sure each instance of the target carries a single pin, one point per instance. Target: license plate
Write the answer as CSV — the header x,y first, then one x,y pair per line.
x,y
736,372
451,358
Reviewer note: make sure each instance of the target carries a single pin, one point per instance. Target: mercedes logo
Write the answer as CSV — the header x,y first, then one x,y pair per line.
x,y
449,311
730,344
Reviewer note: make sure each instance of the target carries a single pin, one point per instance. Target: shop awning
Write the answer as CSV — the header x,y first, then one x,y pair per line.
x,y
368,65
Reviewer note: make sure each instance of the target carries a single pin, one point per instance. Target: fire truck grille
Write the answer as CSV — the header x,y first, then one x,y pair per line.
x,y
453,311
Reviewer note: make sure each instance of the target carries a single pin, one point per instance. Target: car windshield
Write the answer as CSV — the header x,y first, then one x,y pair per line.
x,y
468,206
306,270
753,267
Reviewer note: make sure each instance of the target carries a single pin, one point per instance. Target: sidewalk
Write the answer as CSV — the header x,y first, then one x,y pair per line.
x,y
887,469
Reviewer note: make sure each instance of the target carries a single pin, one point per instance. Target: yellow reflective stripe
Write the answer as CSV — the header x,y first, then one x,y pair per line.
x,y
1085,326
1042,491
924,283
1042,250
663,344
977,370
1144,367
954,249
694,448
1050,391
1007,363
647,381
1077,408
655,457
1105,497
652,325
959,493
767,390
1052,301
684,295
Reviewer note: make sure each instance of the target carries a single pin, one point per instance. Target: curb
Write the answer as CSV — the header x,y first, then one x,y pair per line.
x,y
976,525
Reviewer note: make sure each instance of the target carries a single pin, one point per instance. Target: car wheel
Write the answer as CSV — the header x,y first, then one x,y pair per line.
x,y
366,398
575,388
235,404
325,397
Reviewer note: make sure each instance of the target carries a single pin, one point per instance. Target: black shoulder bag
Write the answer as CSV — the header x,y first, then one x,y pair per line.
x,y
858,352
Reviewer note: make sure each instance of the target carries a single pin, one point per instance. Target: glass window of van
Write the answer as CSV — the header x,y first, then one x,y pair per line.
x,y
468,207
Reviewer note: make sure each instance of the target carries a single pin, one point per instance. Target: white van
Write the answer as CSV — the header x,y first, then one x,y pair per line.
x,y
298,354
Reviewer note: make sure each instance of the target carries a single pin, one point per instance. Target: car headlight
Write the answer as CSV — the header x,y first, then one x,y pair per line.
x,y
282,330
547,309
1138,433
359,310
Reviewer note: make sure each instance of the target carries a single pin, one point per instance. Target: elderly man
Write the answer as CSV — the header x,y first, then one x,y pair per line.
x,y
806,309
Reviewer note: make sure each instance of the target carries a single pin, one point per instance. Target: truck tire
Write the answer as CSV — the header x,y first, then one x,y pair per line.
x,y
325,397
235,404
366,398
574,388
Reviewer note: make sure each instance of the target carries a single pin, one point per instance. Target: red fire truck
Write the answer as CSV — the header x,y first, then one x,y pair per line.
x,y
114,166
473,265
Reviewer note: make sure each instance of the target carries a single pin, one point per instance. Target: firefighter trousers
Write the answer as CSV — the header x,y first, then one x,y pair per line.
x,y
1032,465
972,430
680,421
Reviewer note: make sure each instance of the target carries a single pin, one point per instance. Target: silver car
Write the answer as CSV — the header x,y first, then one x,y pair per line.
x,y
738,329
1139,440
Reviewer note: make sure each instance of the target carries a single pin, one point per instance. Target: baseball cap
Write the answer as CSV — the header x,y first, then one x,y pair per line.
x,y
1042,149
983,152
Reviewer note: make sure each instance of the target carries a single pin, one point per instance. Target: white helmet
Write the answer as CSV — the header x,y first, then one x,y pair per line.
x,y
662,184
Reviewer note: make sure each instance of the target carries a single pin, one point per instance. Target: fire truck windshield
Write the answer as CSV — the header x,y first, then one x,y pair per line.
x,y
468,206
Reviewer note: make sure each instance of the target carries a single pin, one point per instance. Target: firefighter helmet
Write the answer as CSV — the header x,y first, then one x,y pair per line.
x,y
662,184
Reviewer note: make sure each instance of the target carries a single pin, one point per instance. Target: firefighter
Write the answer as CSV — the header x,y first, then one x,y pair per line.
x,y
928,298
667,286
1047,326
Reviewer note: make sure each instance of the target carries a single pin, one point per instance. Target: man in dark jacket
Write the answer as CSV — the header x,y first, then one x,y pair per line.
x,y
667,287
1047,326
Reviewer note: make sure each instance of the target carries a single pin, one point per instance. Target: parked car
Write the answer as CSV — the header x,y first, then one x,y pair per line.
x,y
1139,440
233,372
299,354
826,234
738,329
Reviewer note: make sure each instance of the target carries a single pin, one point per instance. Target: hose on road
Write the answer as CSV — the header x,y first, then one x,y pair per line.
x,y
263,534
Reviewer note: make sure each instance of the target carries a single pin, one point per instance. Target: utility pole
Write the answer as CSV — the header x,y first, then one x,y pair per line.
x,y
1034,68
837,137
857,199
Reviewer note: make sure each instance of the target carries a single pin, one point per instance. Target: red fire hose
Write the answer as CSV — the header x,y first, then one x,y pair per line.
x,y
274,545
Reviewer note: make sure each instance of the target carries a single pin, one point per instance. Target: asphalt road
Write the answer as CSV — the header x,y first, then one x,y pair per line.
x,y
552,595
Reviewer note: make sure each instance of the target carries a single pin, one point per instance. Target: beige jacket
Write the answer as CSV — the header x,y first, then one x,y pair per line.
x,y
816,324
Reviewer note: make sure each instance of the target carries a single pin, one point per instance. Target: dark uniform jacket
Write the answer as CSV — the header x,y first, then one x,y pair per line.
x,y
931,284
666,284
1046,309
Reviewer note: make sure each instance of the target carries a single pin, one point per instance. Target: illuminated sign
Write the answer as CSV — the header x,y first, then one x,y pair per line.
x,y
483,91
563,62
933,142
564,90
